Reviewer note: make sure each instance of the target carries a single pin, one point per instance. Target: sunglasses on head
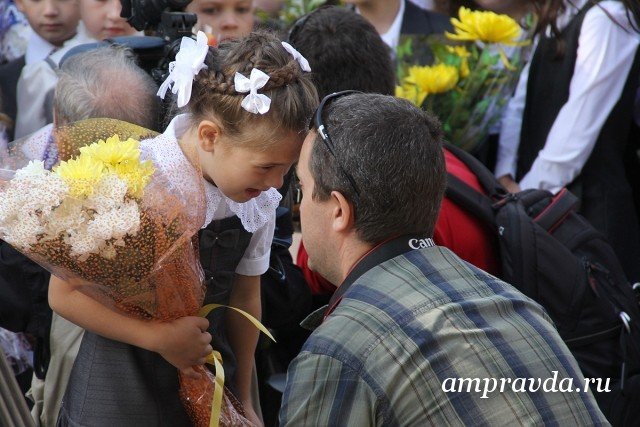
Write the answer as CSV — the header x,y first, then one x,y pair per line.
x,y
318,124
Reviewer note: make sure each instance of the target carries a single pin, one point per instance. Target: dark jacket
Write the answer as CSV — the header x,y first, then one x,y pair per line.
x,y
9,74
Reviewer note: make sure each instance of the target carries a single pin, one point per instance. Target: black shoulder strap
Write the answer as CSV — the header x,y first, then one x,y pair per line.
x,y
489,183
469,199
476,203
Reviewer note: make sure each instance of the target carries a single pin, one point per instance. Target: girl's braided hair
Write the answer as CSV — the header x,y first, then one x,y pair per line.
x,y
293,95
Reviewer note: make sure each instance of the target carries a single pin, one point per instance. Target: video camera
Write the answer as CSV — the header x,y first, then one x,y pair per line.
x,y
164,20
166,17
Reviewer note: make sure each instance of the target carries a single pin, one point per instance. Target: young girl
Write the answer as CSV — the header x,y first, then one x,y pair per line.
x,y
248,108
569,122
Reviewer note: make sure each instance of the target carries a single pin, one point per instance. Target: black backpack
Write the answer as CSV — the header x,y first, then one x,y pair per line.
x,y
553,255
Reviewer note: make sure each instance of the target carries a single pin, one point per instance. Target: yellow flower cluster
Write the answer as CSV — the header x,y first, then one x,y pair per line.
x,y
484,26
112,156
428,80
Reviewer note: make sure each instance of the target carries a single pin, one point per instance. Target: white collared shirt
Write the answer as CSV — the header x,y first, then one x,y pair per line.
x,y
604,58
392,36
37,49
425,4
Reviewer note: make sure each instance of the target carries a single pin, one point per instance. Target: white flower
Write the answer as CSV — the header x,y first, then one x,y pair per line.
x,y
84,243
108,194
116,223
24,233
34,168
67,217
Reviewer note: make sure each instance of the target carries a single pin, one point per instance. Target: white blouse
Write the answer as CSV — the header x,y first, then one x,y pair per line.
x,y
258,215
605,55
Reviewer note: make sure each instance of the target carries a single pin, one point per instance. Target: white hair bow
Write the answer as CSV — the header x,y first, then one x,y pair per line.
x,y
304,64
255,102
189,61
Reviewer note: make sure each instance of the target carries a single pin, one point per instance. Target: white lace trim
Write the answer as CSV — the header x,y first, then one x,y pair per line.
x,y
254,214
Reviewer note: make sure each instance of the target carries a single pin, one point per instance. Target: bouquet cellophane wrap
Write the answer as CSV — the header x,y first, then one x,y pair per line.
x,y
133,247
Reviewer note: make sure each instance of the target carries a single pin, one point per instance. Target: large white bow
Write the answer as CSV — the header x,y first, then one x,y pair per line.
x,y
304,64
256,103
189,61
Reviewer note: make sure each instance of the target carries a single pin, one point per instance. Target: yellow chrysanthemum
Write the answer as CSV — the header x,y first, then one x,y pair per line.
x,y
463,54
484,26
81,174
136,175
412,93
113,151
460,51
433,79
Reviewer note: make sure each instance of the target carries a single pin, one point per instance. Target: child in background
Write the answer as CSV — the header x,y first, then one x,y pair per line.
x,y
53,24
224,19
102,19
248,109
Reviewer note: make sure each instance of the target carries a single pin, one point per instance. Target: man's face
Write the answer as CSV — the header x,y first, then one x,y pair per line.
x,y
315,218
53,20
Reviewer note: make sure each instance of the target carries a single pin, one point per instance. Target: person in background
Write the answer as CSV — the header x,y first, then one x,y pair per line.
x,y
53,23
224,19
393,18
345,52
569,123
101,19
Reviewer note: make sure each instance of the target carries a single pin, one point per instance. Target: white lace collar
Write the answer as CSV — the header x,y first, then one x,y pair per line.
x,y
253,214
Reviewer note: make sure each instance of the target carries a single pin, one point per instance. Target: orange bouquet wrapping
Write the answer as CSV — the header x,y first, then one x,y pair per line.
x,y
118,218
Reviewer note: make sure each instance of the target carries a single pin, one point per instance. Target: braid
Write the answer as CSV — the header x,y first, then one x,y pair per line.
x,y
221,84
283,76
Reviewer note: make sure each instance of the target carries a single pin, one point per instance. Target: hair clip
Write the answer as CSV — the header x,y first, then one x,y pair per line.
x,y
189,61
256,103
304,64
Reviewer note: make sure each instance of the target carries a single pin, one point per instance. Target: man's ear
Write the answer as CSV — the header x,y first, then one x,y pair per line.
x,y
209,135
342,213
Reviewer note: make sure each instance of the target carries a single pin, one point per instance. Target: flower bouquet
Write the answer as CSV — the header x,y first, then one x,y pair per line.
x,y
472,77
110,220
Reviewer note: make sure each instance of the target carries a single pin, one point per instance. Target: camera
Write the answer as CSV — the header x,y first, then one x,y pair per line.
x,y
165,17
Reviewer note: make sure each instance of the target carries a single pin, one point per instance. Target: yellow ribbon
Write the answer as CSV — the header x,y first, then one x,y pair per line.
x,y
215,359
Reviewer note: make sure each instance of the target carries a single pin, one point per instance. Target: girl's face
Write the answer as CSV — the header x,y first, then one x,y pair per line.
x,y
243,172
102,19
227,19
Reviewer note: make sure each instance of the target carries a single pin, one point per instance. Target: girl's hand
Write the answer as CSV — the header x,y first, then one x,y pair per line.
x,y
183,342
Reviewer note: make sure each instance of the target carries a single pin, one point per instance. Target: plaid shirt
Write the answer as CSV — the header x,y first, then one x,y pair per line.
x,y
409,323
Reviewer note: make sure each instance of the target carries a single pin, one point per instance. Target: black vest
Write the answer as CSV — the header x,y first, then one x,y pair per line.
x,y
222,246
547,92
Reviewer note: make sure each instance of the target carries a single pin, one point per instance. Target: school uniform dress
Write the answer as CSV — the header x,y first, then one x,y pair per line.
x,y
117,384
569,122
